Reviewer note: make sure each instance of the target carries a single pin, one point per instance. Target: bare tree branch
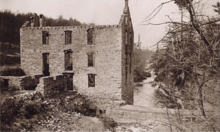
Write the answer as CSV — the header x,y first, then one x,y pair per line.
x,y
197,27
165,36
164,23
160,6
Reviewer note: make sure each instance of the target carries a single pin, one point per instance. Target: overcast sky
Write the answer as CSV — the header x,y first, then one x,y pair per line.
x,y
104,12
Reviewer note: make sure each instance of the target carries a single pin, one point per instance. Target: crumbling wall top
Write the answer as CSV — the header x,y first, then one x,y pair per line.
x,y
71,27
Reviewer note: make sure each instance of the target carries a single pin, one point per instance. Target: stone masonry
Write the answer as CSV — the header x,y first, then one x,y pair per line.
x,y
20,83
67,50
51,85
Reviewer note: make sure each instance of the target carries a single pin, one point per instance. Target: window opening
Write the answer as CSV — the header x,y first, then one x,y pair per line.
x,y
45,37
126,20
68,60
130,62
126,37
68,37
46,70
90,36
126,62
69,80
90,59
91,80
131,39
5,83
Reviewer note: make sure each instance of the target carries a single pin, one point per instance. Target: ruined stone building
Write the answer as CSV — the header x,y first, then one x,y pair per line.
x,y
95,60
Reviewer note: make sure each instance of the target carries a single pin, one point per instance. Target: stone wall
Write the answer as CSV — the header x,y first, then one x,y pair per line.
x,y
112,48
107,50
51,85
22,82
127,57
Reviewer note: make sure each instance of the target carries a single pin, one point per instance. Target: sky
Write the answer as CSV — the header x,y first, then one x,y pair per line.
x,y
106,12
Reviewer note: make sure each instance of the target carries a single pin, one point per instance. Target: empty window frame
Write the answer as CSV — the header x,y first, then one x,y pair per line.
x,y
126,37
131,39
68,37
90,36
68,60
46,67
91,80
90,59
126,63
126,20
130,61
45,37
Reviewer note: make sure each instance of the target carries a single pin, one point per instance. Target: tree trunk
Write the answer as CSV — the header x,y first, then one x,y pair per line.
x,y
201,100
198,29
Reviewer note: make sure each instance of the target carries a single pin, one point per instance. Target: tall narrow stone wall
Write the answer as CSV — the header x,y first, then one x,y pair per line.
x,y
127,56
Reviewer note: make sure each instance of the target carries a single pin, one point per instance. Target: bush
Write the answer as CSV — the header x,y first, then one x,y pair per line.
x,y
138,75
20,107
140,58
32,112
13,72
109,123
9,109
72,103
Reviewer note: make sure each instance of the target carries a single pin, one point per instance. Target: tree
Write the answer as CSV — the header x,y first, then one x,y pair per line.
x,y
11,24
191,59
217,7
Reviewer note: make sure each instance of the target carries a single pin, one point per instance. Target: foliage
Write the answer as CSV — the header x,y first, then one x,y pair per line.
x,y
217,7
141,56
20,107
60,21
109,123
11,24
12,72
191,59
73,103
61,112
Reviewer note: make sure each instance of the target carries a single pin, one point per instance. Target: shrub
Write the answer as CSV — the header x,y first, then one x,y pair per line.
x,y
20,107
72,103
140,58
13,72
109,123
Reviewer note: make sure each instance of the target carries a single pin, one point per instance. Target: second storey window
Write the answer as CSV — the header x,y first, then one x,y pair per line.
x,y
68,60
45,37
68,37
90,59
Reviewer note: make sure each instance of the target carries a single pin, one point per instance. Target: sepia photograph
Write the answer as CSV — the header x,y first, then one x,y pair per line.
x,y
110,65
